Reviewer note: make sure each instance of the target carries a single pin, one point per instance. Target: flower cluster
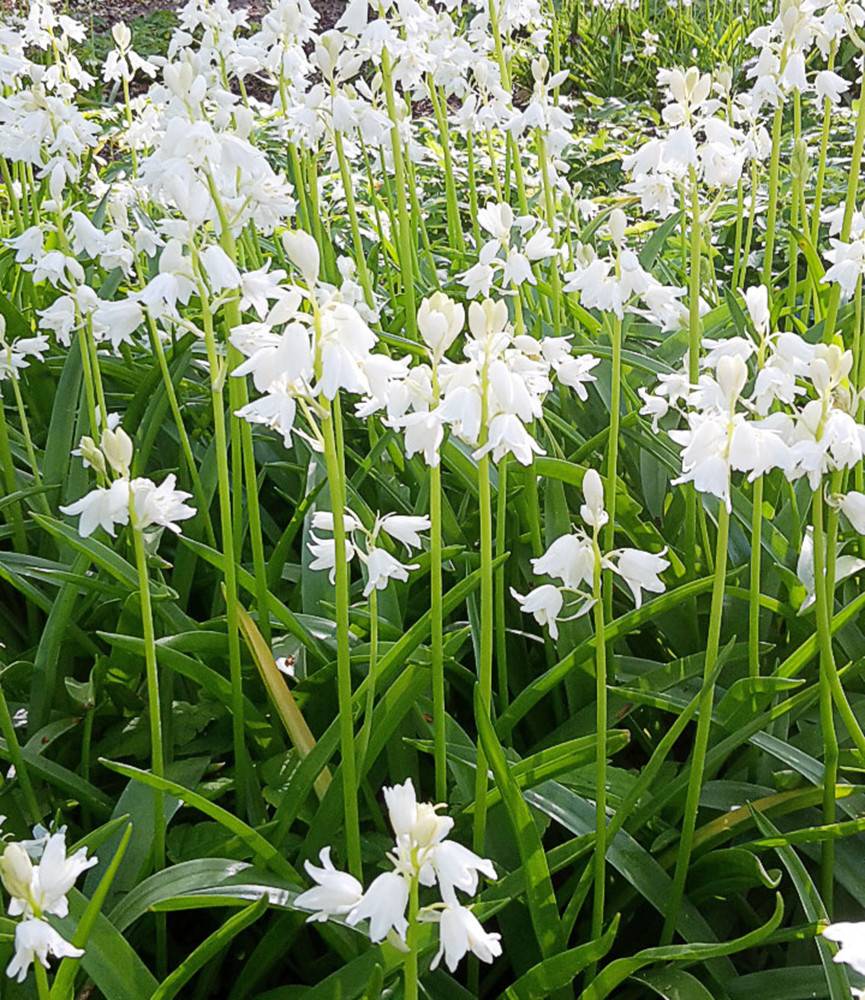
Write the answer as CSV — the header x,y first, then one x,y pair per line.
x,y
379,564
36,891
422,856
793,410
491,398
576,561
137,499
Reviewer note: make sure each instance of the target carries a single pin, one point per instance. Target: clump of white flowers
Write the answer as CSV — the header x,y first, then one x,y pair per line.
x,y
422,857
575,560
137,499
36,891
380,565
490,399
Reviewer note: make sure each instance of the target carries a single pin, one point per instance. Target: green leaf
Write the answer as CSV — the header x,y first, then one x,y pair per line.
x,y
543,979
208,949
540,896
812,906
63,981
252,838
621,969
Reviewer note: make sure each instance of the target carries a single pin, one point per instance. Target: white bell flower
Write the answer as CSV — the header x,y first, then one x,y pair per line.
x,y
845,565
571,559
36,940
417,821
324,554
640,571
101,508
460,932
161,505
853,506
405,528
440,321
423,432
302,250
851,936
830,86
382,567
42,888
383,904
336,892
545,603
457,867
592,510
508,436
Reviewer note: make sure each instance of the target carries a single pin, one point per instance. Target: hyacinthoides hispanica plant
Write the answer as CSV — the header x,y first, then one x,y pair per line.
x,y
481,389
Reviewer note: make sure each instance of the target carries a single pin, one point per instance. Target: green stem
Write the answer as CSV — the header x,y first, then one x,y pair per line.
x,y
824,153
754,589
704,723
410,991
827,714
185,445
336,484
14,516
223,479
694,343
600,853
405,250
41,977
485,666
359,257
366,728
154,711
455,231
772,211
437,636
550,210
613,455
501,546
749,231
737,239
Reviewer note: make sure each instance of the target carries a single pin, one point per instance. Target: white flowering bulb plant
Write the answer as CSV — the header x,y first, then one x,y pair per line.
x,y
422,857
35,893
432,523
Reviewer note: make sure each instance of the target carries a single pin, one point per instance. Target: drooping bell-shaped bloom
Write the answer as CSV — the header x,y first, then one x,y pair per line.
x,y
335,894
35,941
460,932
544,603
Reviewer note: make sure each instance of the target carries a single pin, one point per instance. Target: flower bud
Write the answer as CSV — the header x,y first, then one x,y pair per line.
x,y
440,320
302,251
618,223
92,456
732,374
117,448
487,318
799,167
16,871
122,36
592,511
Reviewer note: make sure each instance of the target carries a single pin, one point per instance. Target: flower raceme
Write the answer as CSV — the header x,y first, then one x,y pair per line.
x,y
380,566
575,560
106,507
781,403
491,397
422,856
37,890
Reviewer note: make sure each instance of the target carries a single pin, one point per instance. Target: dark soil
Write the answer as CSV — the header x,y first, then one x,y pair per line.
x,y
108,12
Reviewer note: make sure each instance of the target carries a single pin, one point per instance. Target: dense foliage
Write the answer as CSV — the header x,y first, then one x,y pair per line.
x,y
426,443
